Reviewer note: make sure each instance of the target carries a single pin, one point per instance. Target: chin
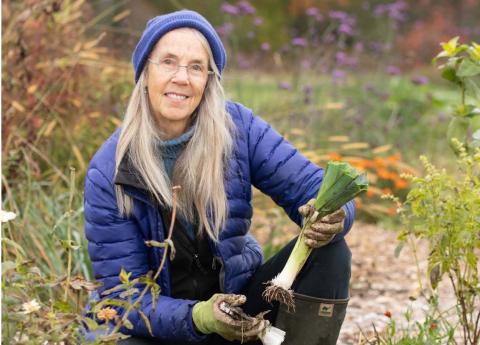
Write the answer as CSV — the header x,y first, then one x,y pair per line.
x,y
177,116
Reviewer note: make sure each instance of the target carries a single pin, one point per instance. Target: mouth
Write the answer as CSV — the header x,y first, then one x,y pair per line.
x,y
176,96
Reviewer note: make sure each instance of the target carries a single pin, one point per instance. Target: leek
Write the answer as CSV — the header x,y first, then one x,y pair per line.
x,y
341,183
272,336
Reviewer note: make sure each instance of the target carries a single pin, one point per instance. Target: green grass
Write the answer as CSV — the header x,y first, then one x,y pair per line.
x,y
412,118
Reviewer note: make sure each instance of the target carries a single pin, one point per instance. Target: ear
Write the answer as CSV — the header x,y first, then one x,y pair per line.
x,y
145,73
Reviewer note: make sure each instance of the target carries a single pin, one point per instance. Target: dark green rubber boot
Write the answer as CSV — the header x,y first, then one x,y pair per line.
x,y
315,321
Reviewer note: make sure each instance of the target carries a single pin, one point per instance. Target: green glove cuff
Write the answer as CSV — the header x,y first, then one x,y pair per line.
x,y
203,318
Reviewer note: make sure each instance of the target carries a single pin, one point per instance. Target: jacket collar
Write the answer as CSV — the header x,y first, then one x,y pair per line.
x,y
129,178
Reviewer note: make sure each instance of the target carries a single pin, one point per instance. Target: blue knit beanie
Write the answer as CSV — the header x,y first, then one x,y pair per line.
x,y
160,25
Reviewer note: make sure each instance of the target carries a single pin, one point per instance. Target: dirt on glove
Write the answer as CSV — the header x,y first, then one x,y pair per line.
x,y
248,326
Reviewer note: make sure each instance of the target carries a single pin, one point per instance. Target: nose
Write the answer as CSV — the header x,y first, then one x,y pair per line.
x,y
181,74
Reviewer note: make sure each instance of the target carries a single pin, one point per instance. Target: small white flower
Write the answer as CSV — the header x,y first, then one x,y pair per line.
x,y
6,216
30,307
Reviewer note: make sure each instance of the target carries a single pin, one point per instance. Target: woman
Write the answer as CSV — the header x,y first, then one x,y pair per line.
x,y
179,130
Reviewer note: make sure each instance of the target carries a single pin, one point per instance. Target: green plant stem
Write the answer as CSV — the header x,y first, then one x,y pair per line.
x,y
413,246
69,232
22,330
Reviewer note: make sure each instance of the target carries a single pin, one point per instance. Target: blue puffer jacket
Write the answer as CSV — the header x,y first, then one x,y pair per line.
x,y
261,158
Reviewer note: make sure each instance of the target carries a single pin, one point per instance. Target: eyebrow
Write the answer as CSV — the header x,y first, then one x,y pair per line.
x,y
171,55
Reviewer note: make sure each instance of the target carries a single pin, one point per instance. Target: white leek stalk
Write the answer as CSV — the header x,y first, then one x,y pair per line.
x,y
272,336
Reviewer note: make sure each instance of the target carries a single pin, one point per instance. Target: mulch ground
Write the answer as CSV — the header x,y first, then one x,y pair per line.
x,y
381,283
384,284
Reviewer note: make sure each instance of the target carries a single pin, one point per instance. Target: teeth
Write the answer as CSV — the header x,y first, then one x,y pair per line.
x,y
174,95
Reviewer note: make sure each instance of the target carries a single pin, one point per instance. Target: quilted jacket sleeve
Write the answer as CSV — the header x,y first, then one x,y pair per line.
x,y
283,173
115,243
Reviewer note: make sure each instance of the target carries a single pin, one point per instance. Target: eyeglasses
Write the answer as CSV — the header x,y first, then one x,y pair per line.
x,y
171,66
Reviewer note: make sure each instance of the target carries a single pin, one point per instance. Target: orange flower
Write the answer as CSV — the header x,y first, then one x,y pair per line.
x,y
107,314
386,191
394,158
370,193
333,156
366,163
379,162
400,183
388,313
358,203
383,173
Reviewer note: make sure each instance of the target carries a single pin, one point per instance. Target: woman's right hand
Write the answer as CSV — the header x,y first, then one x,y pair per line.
x,y
209,317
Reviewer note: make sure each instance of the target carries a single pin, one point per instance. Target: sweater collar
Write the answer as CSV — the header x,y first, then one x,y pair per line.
x,y
171,147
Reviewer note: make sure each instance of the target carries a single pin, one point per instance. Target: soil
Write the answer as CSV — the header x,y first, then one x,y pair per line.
x,y
383,284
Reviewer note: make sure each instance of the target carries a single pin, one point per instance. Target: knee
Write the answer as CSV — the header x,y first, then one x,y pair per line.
x,y
335,258
327,272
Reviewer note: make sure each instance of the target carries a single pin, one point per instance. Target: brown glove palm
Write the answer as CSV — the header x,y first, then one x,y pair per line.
x,y
321,231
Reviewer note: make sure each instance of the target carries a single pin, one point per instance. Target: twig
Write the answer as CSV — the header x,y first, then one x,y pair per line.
x,y
170,230
160,267
69,231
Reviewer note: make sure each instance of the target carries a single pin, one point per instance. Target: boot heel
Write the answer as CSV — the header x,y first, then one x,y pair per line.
x,y
316,321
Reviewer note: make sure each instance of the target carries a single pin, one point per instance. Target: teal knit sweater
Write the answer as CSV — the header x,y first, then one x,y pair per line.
x,y
171,150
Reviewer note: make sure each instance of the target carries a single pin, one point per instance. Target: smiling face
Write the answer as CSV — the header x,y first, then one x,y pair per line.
x,y
174,95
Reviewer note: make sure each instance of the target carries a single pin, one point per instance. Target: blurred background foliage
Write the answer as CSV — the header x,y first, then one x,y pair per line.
x,y
342,80
348,80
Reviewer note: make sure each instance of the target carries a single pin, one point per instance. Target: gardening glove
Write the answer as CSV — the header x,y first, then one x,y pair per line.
x,y
220,314
321,231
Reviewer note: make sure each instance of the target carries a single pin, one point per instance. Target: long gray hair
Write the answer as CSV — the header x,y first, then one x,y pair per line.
x,y
199,169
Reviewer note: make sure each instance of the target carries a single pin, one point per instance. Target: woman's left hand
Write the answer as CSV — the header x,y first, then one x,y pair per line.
x,y
321,231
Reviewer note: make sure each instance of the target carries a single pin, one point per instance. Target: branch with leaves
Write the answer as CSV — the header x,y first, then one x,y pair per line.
x,y
129,289
462,67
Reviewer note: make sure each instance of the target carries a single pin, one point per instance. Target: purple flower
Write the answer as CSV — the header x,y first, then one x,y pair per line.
x,y
225,29
245,7
299,41
345,22
284,85
379,10
265,46
243,62
306,64
329,39
395,10
358,47
393,70
338,15
419,80
312,12
376,47
257,21
345,29
343,59
230,9
338,74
